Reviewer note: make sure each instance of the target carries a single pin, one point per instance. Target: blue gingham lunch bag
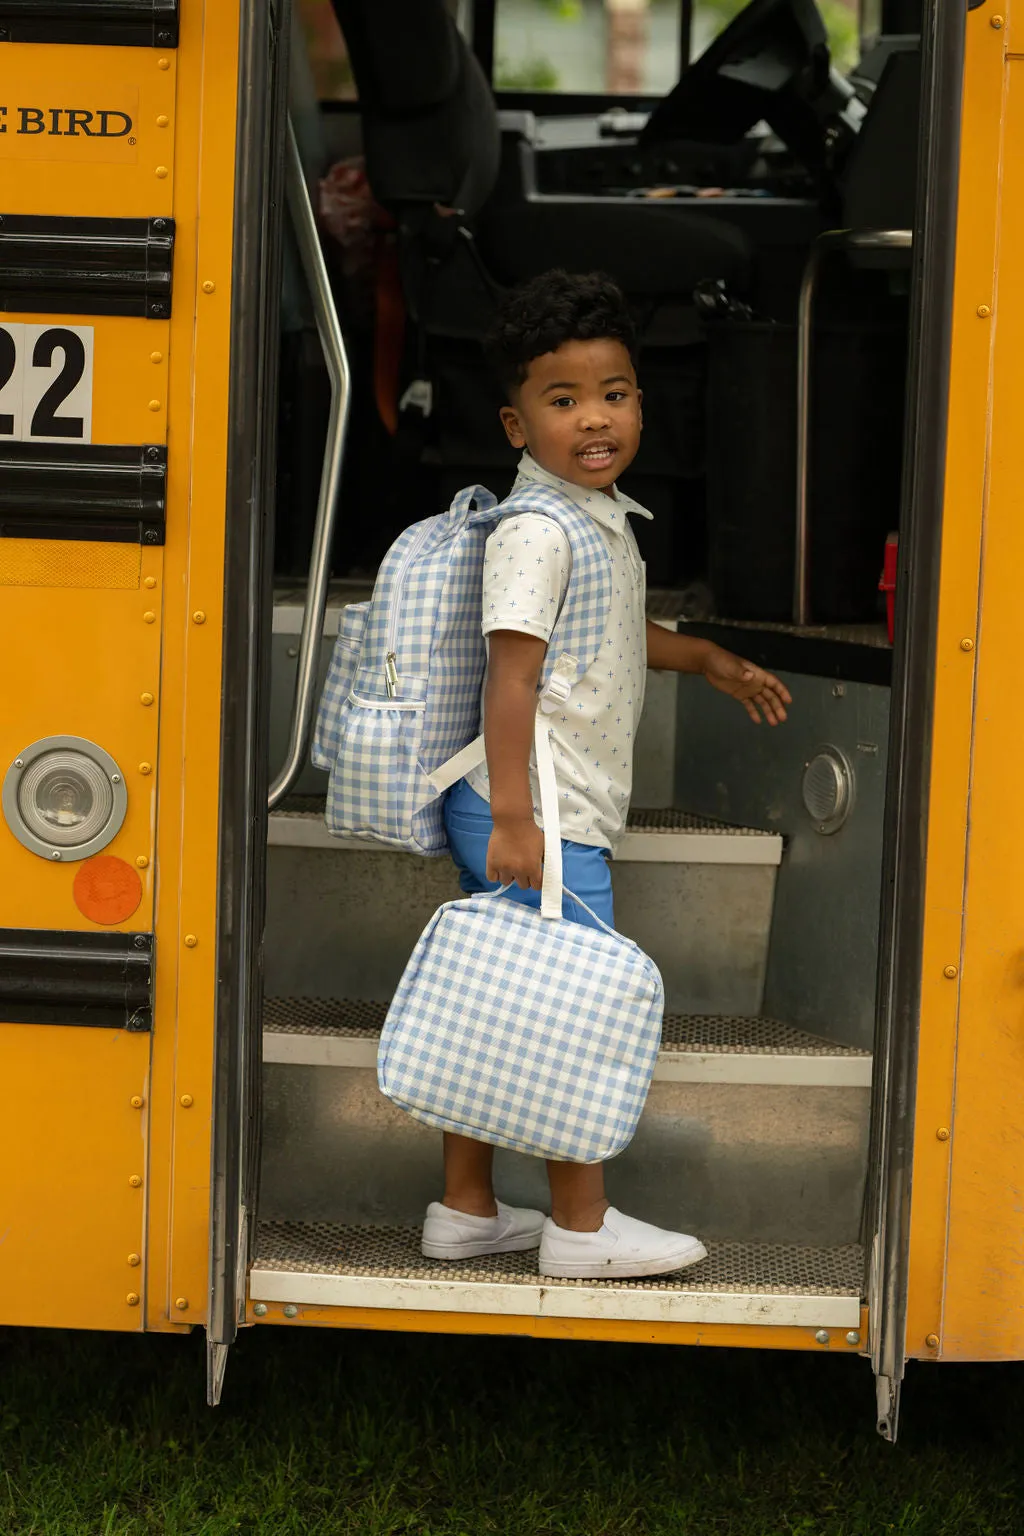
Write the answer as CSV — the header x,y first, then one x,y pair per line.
x,y
520,1028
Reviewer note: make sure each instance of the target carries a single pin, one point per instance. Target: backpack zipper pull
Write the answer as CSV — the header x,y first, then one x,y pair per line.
x,y
391,674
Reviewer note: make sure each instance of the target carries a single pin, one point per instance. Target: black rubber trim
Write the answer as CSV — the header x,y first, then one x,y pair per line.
x,y
67,266
90,980
91,491
806,655
901,929
102,23
245,700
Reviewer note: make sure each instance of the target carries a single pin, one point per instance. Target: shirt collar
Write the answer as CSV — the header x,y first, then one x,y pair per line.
x,y
609,511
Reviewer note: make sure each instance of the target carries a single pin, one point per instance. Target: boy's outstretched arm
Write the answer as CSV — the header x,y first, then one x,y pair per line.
x,y
757,690
516,850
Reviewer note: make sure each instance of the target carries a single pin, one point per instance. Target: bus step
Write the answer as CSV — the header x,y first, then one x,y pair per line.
x,y
342,919
696,1048
751,1131
652,837
321,1264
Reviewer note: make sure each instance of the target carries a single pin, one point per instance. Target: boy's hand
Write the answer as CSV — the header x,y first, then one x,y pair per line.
x,y
515,854
758,691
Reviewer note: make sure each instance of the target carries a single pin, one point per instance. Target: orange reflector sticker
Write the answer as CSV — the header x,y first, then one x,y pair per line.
x,y
107,890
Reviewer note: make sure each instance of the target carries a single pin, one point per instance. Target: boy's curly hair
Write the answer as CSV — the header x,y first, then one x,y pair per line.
x,y
551,309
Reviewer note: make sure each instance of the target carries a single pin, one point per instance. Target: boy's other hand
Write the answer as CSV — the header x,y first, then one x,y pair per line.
x,y
759,692
515,853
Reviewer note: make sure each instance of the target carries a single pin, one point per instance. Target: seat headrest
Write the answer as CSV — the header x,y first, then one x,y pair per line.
x,y
404,53
880,176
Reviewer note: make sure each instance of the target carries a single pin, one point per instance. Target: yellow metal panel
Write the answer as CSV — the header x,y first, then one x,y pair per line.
x,y
968,428
69,563
71,1143
130,367
983,1315
136,668
725,1335
84,661
103,172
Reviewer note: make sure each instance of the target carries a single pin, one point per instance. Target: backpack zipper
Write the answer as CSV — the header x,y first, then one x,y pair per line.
x,y
391,654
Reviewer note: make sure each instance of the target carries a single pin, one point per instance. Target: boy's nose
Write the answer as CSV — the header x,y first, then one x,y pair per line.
x,y
595,421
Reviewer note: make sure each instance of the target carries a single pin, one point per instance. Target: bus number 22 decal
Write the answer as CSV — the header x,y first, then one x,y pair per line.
x,y
46,383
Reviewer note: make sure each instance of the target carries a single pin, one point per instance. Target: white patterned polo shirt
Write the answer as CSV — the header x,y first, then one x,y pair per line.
x,y
526,572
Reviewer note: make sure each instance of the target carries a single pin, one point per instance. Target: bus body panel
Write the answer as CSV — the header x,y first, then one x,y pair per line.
x,y
983,1303
943,846
73,1149
110,1132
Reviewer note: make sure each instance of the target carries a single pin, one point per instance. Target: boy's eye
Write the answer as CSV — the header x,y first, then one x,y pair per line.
x,y
563,401
616,394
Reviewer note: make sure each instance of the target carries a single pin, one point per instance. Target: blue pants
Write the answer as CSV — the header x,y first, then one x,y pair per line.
x,y
585,870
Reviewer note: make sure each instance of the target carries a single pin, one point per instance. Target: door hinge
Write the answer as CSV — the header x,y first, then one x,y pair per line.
x,y
92,491
95,980
86,266
103,23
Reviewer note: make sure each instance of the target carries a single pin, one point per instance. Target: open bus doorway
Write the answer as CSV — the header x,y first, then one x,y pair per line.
x,y
774,364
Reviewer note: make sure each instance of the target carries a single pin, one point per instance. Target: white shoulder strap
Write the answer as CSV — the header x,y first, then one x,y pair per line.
x,y
457,767
470,757
559,686
557,691
551,888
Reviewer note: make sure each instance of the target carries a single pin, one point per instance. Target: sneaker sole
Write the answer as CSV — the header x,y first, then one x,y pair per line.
x,y
520,1244
625,1269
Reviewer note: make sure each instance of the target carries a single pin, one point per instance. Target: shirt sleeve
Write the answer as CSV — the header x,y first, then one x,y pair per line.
x,y
526,571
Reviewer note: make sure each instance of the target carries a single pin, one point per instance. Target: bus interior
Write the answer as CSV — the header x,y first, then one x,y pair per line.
x,y
760,220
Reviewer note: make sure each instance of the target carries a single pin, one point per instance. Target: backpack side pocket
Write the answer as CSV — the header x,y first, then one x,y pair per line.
x,y
340,676
376,779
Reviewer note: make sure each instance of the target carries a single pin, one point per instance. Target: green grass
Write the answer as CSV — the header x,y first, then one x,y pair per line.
x,y
330,1432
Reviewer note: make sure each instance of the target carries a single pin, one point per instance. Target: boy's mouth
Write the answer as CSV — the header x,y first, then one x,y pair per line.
x,y
598,455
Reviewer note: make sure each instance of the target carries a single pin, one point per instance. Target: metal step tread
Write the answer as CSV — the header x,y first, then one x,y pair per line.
x,y
711,1033
875,635
394,1253
640,821
700,1048
326,1264
652,836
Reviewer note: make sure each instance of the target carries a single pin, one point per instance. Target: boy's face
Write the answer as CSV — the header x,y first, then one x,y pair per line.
x,y
578,412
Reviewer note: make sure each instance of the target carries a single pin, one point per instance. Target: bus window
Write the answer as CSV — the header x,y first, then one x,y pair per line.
x,y
599,47
328,55
840,17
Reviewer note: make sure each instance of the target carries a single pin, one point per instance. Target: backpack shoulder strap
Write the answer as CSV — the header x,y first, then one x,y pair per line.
x,y
583,617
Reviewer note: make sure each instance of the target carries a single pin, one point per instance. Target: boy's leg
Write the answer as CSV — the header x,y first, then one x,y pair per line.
x,y
470,1222
578,1200
467,1176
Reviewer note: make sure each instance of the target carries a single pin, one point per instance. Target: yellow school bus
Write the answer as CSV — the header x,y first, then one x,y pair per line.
x,y
192,974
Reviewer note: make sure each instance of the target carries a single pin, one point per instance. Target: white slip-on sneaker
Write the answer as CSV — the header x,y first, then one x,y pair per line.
x,y
449,1234
622,1249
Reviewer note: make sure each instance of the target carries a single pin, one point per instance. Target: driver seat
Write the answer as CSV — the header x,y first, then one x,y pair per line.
x,y
432,138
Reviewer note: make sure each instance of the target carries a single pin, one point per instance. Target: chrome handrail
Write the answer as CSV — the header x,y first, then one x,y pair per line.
x,y
336,357
835,240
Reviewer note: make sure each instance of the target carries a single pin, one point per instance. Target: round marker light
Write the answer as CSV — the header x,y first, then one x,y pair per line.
x,y
64,798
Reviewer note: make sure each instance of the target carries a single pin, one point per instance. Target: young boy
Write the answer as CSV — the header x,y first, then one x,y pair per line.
x,y
563,348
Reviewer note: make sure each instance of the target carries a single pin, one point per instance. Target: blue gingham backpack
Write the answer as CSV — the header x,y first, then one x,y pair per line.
x,y
400,712
521,1028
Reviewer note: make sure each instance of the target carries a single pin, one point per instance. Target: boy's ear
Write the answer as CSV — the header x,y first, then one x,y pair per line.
x,y
640,405
513,429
